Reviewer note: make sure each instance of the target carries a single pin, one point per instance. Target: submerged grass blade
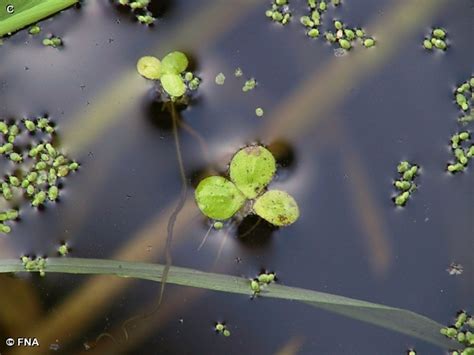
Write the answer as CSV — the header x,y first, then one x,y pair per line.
x,y
396,319
30,12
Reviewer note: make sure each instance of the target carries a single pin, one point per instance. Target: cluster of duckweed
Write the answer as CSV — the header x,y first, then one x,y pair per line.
x,y
175,81
34,264
38,170
279,12
249,85
461,331
464,97
313,20
346,36
251,170
52,41
140,8
342,35
262,280
221,328
436,40
405,184
463,151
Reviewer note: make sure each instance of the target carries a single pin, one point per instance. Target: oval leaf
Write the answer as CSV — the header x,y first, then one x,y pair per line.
x,y
277,207
218,198
174,63
149,67
252,169
173,84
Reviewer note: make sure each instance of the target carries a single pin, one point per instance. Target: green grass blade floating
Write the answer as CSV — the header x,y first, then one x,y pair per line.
x,y
29,12
396,319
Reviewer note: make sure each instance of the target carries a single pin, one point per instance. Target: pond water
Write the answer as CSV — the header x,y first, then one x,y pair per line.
x,y
342,124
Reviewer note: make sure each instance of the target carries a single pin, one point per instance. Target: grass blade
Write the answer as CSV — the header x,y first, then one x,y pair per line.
x,y
29,12
396,319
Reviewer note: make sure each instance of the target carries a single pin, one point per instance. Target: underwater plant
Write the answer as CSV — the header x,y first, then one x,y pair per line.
x,y
170,72
251,170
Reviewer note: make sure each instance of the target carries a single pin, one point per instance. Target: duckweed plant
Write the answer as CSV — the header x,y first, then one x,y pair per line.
x,y
251,170
464,97
463,151
221,328
279,12
436,40
140,9
171,74
462,332
36,170
258,283
53,41
406,183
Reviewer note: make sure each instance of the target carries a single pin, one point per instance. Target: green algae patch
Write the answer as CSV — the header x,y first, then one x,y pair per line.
x,y
252,169
149,67
218,198
277,207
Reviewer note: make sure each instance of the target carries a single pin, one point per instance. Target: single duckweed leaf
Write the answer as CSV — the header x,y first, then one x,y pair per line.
x,y
277,207
218,198
174,63
149,67
252,169
173,84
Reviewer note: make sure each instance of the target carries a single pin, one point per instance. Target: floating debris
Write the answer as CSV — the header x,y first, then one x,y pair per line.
x,y
455,269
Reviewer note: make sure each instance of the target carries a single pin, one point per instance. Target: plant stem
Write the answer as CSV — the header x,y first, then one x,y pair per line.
x,y
396,319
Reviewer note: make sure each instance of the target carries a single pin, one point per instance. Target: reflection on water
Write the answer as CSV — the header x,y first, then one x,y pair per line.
x,y
129,178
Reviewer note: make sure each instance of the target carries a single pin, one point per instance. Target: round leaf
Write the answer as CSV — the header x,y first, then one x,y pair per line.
x,y
174,63
173,84
149,67
218,198
277,208
252,169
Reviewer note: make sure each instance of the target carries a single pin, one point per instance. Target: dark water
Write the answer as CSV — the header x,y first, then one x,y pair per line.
x,y
349,240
